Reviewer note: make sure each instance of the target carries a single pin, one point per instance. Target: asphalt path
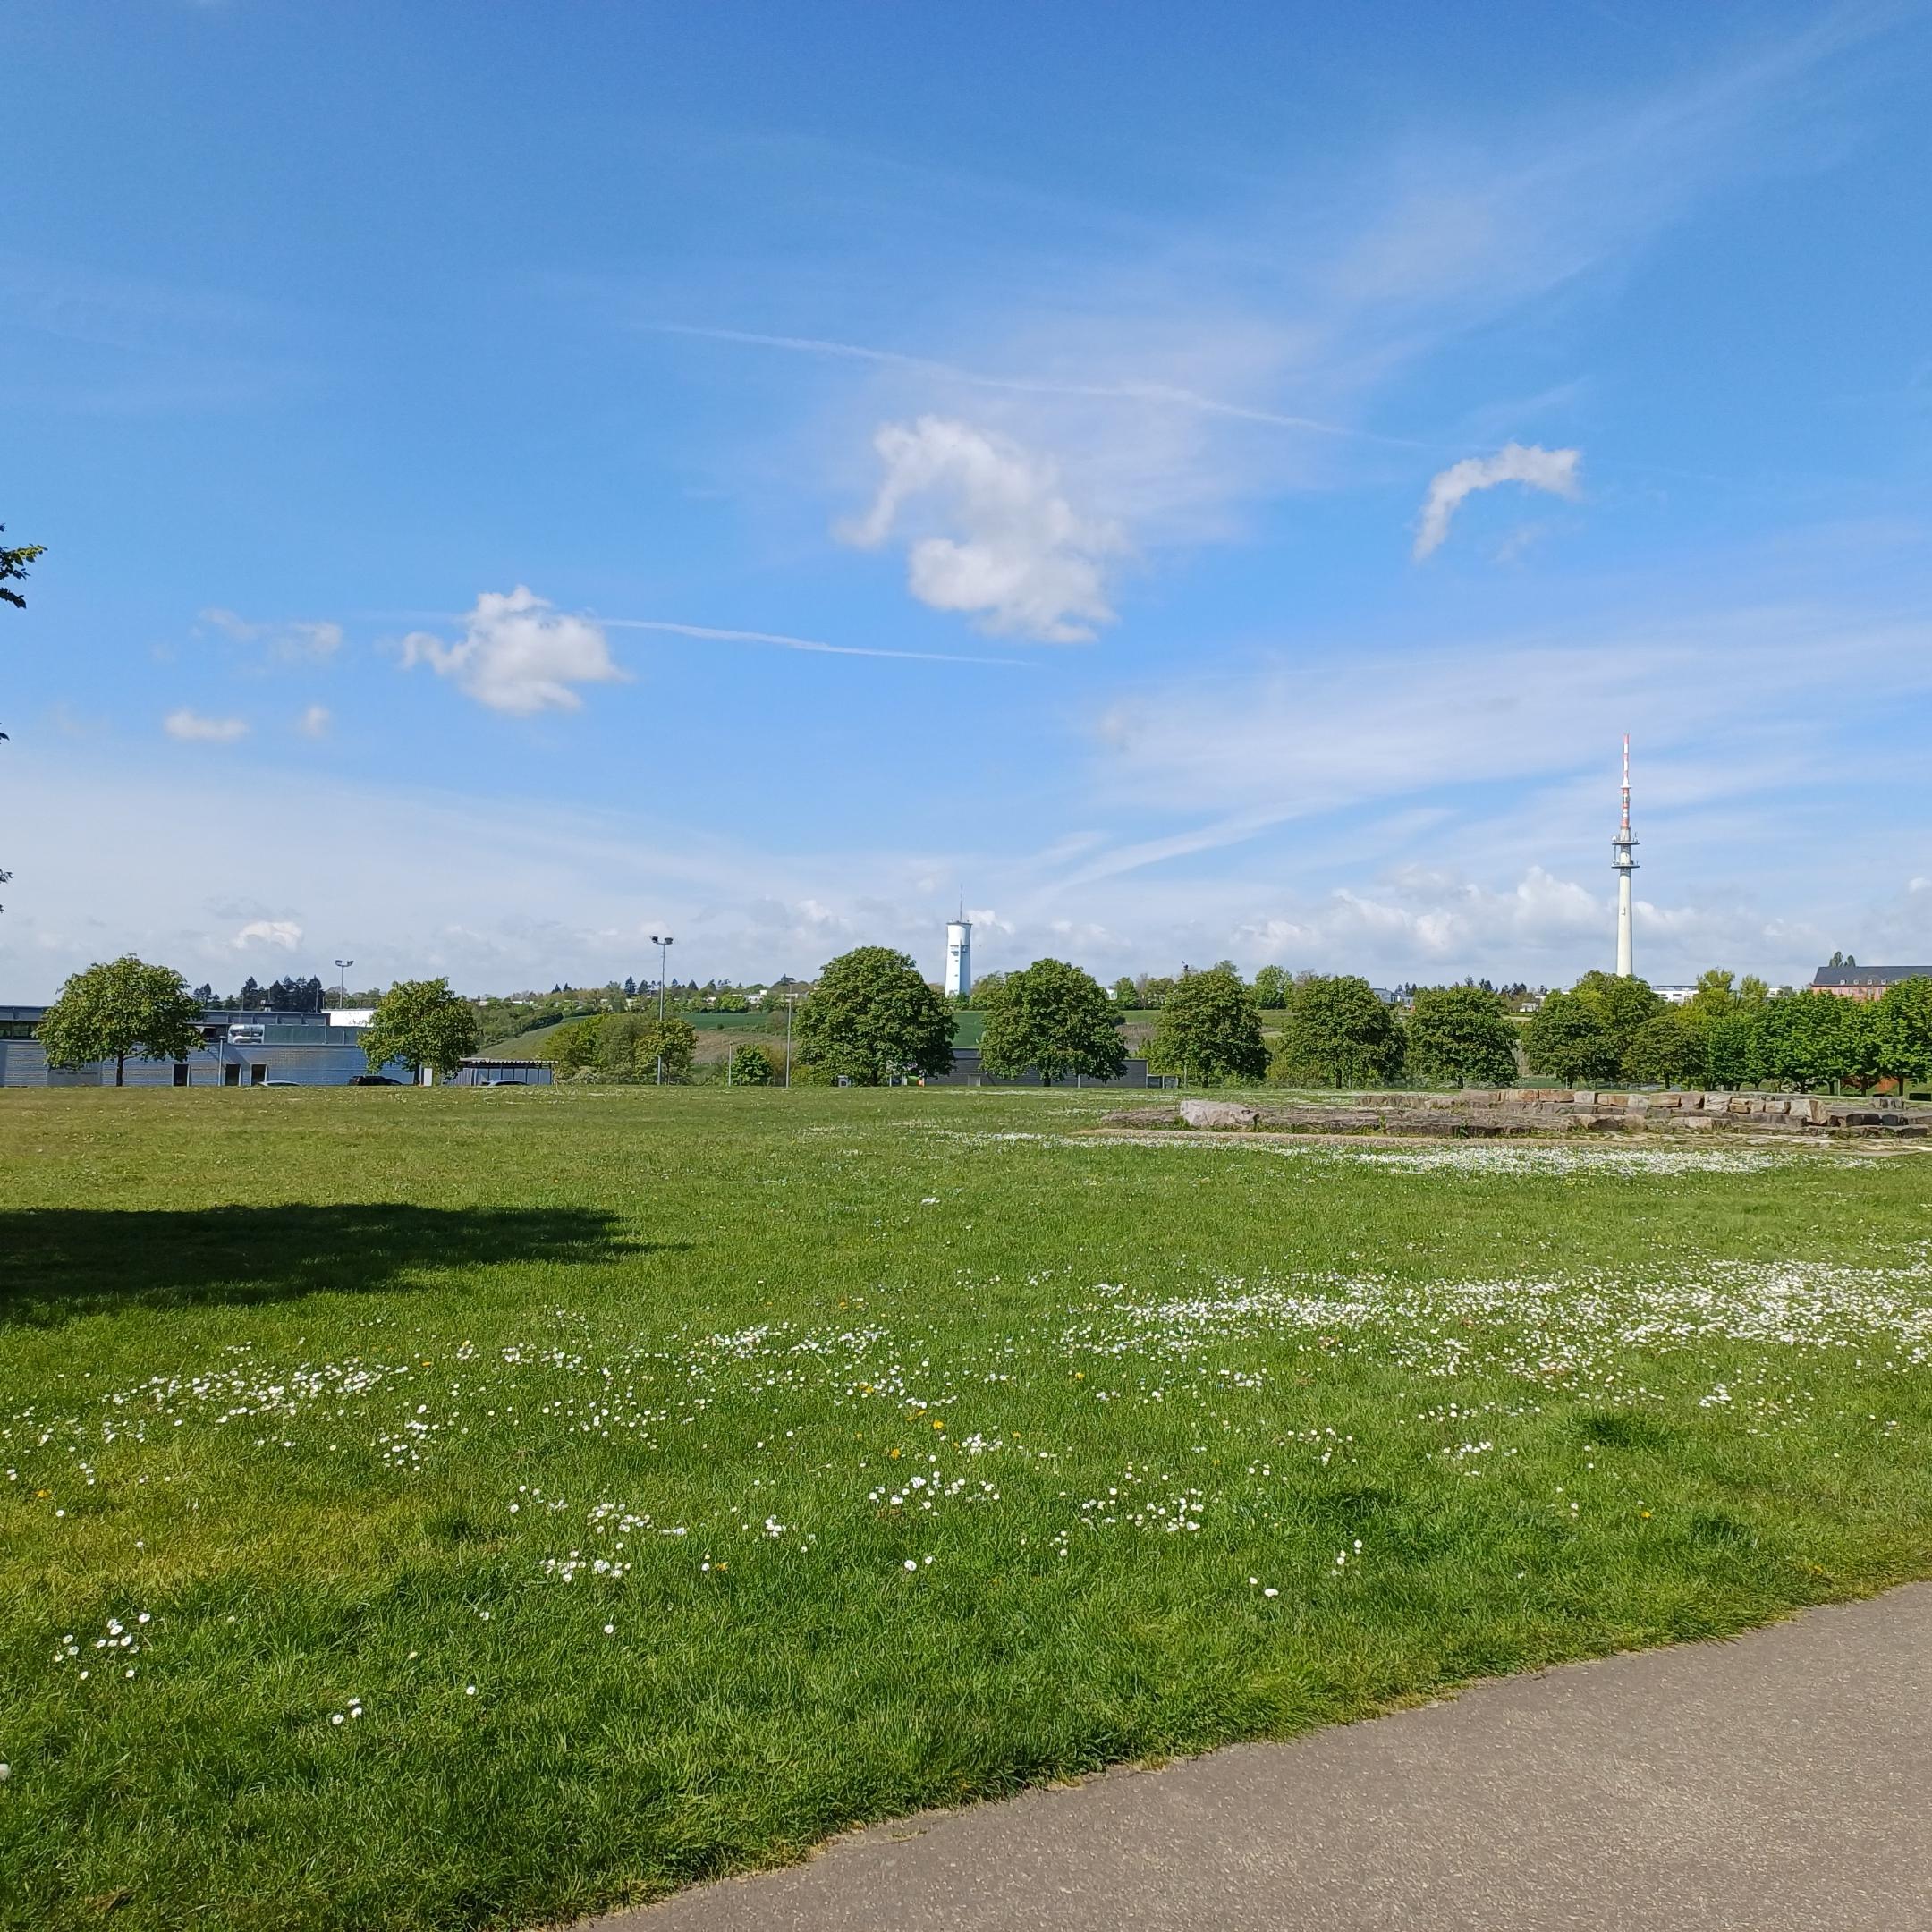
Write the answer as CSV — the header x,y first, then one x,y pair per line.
x,y
1781,1783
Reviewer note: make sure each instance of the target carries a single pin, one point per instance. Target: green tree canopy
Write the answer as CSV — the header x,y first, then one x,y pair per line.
x,y
1125,994
1566,1037
1731,1049
1714,996
625,1047
872,1016
120,1008
1461,1035
14,565
752,1066
421,1023
1666,1049
1336,1034
1210,1030
1053,1017
1621,1005
1809,1040
1752,991
1901,1032
573,1046
1272,987
640,1047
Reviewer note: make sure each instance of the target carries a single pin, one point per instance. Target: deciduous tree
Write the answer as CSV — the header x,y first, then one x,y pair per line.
x,y
1815,1039
1714,996
1622,1005
1901,1032
1566,1037
421,1023
1731,1049
1461,1035
13,564
1666,1049
1053,1017
1336,1034
1210,1030
1272,985
119,1009
872,1016
752,1066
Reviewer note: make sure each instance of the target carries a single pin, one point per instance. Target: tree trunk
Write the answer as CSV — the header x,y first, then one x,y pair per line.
x,y
120,1069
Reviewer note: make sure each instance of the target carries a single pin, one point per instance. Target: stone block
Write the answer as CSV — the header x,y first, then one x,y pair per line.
x,y
1217,1114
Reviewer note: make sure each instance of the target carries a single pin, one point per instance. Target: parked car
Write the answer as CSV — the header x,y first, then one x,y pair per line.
x,y
374,1080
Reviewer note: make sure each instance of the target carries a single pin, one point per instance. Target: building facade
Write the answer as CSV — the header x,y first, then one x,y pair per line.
x,y
238,1049
1864,982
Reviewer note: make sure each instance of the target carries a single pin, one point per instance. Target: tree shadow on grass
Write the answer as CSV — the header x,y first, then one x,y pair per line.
x,y
59,1263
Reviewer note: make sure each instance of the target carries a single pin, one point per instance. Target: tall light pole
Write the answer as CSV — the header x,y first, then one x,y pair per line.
x,y
664,944
342,981
791,999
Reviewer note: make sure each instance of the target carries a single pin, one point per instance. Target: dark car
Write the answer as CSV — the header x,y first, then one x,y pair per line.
x,y
374,1080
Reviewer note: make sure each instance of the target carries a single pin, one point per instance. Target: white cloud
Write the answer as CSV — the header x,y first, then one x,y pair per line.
x,y
1529,464
518,654
284,934
192,728
1000,541
290,642
314,721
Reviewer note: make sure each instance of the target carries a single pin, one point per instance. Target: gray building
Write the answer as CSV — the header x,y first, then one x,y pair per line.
x,y
238,1049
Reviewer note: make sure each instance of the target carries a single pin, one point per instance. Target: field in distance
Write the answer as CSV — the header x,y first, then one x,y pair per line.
x,y
431,1508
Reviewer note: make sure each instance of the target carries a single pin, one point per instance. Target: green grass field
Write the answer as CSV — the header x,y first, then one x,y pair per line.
x,y
433,1508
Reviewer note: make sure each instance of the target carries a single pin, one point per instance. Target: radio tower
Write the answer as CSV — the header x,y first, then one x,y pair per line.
x,y
1619,847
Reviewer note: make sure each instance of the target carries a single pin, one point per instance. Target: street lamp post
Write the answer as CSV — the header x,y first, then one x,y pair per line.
x,y
342,981
789,1000
664,945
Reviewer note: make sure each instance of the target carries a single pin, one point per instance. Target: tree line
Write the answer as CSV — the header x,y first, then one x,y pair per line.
x,y
1731,1035
871,1018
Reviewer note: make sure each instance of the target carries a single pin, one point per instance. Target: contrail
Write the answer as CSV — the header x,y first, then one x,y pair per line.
x,y
781,641
1128,392
778,639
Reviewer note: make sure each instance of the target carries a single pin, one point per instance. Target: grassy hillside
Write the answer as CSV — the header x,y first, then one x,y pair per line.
x,y
438,1508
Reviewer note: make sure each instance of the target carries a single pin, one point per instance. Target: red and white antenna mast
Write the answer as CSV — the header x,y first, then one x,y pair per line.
x,y
1625,864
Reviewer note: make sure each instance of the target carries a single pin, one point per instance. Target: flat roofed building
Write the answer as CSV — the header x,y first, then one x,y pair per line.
x,y
239,1048
1864,982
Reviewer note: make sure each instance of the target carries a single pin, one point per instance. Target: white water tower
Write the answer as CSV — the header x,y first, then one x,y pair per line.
x,y
959,957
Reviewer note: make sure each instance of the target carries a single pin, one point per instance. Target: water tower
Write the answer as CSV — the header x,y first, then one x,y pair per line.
x,y
958,956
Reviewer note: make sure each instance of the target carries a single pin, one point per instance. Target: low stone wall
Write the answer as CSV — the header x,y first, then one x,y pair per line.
x,y
1490,1112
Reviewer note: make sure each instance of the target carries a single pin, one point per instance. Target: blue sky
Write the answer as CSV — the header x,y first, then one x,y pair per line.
x,y
1195,481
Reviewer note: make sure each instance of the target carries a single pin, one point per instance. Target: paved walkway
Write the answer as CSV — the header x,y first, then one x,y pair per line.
x,y
1779,1784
